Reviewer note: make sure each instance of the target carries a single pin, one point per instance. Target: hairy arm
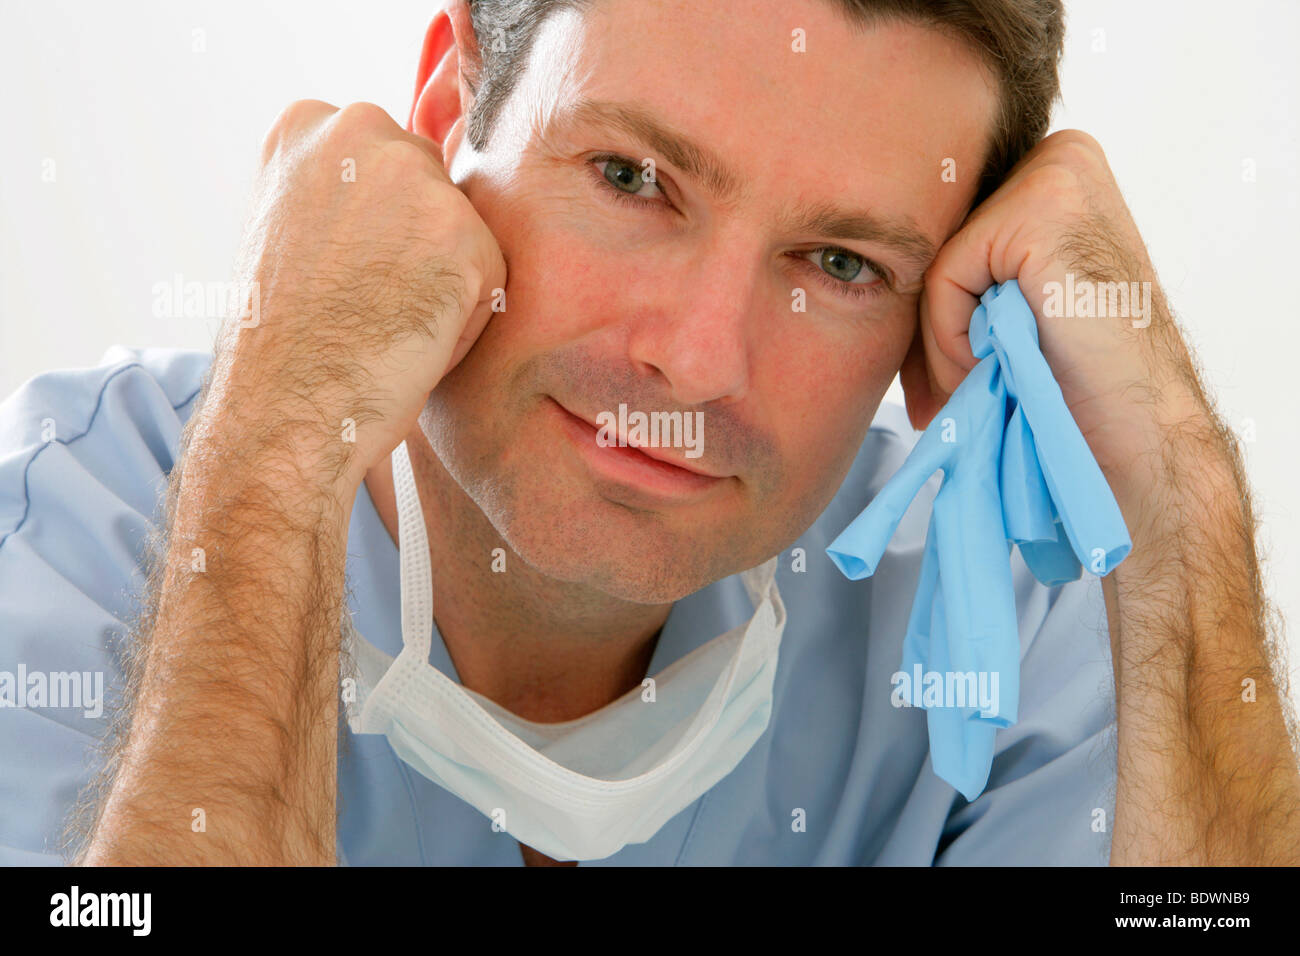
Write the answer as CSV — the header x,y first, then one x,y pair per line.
x,y
363,291
230,754
1207,773
1206,770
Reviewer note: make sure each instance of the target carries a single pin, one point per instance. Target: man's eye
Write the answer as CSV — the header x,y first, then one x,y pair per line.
x,y
846,273
625,176
842,264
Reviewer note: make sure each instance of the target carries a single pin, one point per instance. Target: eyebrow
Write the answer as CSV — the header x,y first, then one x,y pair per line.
x,y
907,241
702,164
696,161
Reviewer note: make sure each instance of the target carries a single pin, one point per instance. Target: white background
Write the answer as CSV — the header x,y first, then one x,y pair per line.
x,y
155,145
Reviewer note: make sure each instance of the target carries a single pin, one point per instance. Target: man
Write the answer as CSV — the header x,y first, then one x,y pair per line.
x,y
749,210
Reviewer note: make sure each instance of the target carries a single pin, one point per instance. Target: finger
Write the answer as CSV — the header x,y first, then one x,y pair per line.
x,y
918,390
963,270
483,311
945,336
490,265
431,148
375,122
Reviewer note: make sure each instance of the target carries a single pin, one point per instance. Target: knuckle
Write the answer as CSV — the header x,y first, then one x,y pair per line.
x,y
1076,147
364,116
460,212
297,115
403,156
1075,137
443,203
292,122
1058,185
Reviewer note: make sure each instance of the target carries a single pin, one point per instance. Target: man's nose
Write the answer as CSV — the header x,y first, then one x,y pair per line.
x,y
696,328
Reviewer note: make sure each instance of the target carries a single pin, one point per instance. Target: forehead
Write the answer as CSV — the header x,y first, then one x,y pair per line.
x,y
870,114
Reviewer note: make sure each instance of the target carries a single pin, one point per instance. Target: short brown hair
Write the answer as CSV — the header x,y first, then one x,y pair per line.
x,y
1021,42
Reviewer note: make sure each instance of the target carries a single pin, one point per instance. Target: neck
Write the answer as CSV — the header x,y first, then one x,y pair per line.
x,y
546,650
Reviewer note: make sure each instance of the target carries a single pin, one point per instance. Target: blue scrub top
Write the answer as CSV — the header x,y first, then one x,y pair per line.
x,y
840,776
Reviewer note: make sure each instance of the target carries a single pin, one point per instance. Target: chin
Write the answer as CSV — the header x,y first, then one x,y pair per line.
x,y
563,528
616,555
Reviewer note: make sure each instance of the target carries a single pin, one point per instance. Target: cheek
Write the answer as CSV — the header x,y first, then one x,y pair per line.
x,y
561,276
837,362
829,388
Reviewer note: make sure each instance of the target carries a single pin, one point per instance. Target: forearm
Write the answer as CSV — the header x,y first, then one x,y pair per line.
x,y
1206,772
235,711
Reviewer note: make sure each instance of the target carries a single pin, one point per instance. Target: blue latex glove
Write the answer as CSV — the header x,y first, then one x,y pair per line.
x,y
1016,468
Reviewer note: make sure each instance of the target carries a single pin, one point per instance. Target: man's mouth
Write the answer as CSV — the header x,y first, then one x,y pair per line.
x,y
658,471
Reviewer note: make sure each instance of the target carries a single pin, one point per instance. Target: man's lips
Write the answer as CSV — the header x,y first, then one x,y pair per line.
x,y
654,467
658,454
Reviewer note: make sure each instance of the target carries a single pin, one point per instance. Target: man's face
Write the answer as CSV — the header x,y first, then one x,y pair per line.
x,y
758,306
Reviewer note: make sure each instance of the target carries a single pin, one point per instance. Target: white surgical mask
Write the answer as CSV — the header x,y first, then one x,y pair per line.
x,y
582,789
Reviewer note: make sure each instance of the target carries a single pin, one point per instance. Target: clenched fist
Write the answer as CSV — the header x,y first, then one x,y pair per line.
x,y
374,274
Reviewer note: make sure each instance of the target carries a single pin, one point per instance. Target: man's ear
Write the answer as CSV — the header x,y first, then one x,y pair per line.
x,y
439,100
923,401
